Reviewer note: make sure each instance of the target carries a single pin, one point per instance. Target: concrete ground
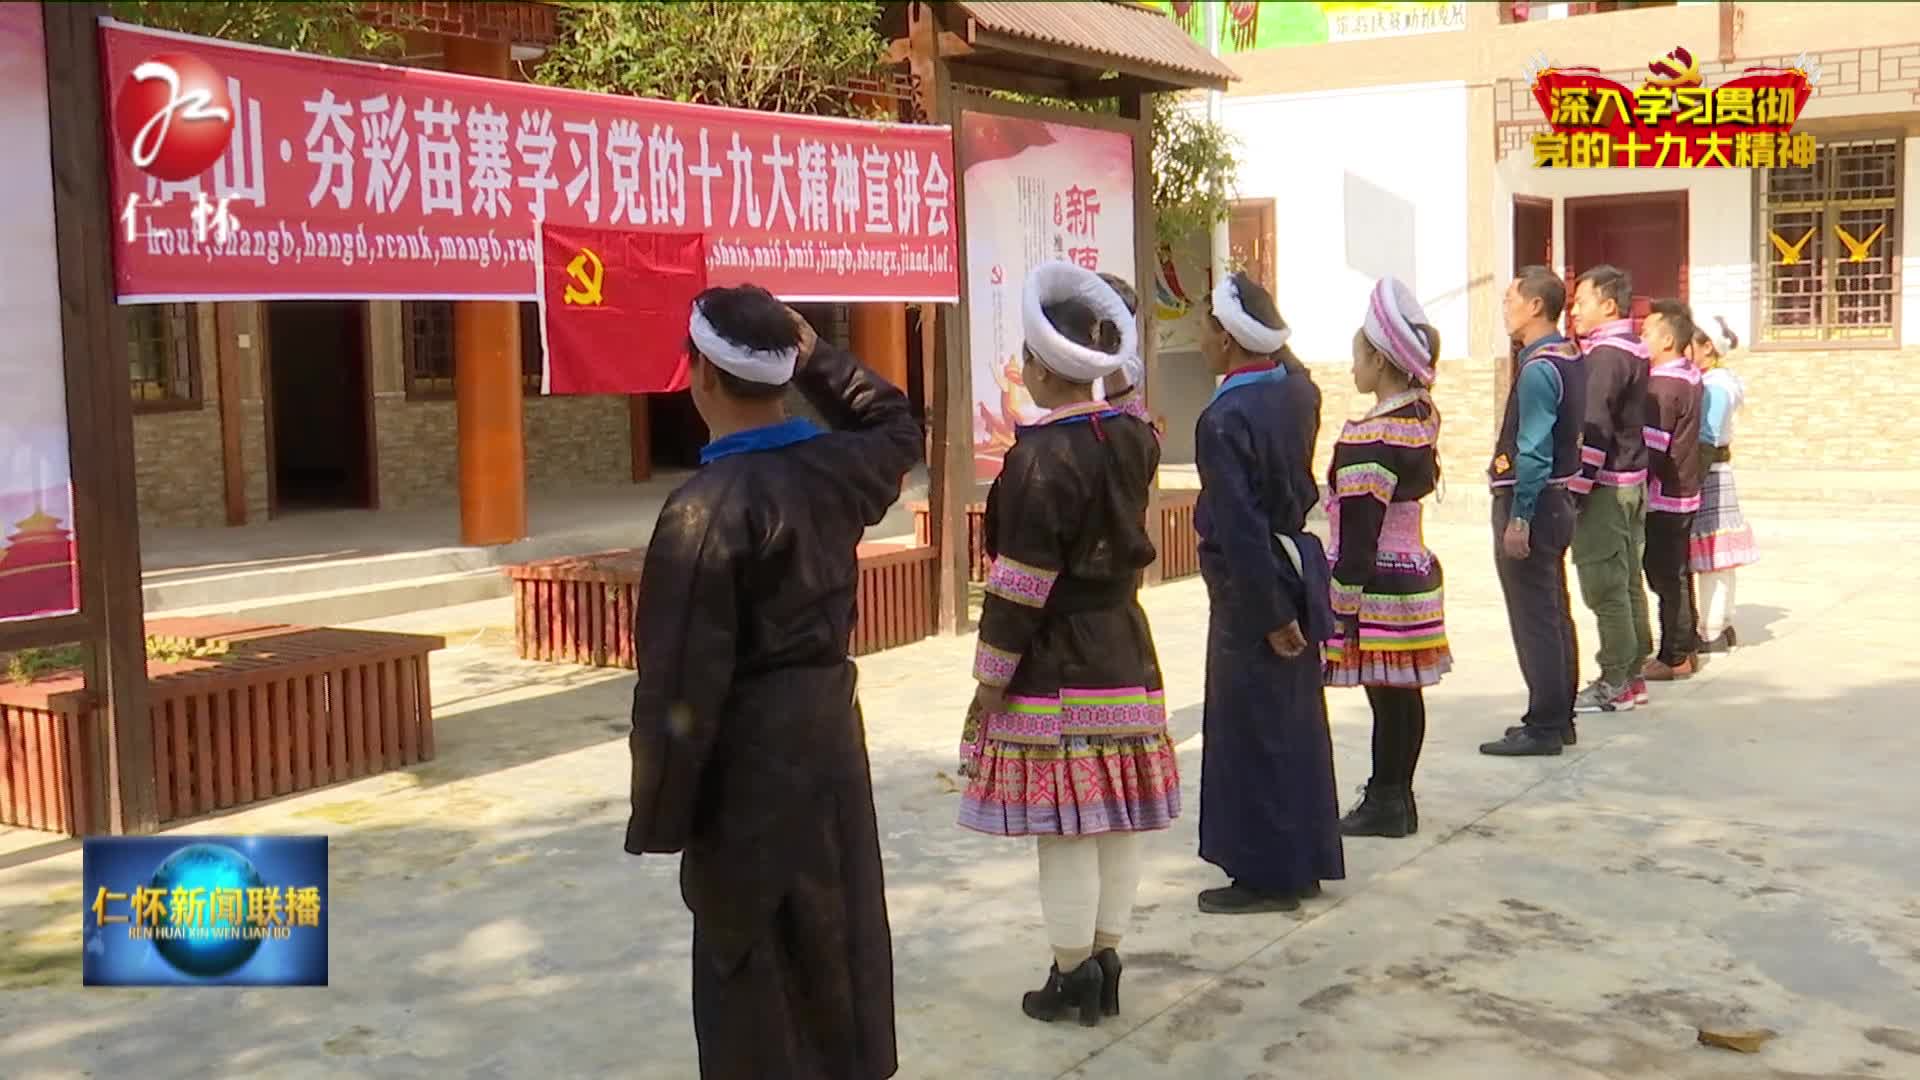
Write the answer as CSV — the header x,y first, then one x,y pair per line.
x,y
1744,854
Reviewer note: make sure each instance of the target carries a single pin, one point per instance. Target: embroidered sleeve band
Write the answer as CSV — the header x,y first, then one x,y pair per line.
x,y
1656,439
992,666
1366,478
1593,455
1016,582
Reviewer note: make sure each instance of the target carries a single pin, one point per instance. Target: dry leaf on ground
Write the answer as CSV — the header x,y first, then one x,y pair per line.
x,y
1748,1041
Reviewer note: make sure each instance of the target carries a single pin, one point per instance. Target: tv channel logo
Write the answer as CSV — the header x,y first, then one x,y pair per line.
x,y
204,911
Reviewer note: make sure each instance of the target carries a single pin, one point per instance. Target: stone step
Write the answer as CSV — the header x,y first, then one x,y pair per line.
x,y
168,591
353,604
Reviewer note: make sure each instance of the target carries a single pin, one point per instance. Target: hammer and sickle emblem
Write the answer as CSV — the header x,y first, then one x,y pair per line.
x,y
587,271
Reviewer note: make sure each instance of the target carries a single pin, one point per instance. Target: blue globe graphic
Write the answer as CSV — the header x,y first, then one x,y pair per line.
x,y
203,950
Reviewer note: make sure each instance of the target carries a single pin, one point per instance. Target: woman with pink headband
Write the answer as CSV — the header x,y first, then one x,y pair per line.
x,y
1388,605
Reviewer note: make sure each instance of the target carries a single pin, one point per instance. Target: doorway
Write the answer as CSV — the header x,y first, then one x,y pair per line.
x,y
320,420
1645,235
1532,232
1250,240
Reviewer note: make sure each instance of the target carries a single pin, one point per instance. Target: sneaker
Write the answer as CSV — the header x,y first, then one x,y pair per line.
x,y
1528,742
1570,737
1601,696
1639,688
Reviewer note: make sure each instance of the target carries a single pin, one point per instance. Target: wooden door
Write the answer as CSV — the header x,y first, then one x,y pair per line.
x,y
1532,232
1250,240
1645,235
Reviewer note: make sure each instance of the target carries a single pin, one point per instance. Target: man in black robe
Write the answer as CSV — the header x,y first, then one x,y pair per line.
x,y
749,752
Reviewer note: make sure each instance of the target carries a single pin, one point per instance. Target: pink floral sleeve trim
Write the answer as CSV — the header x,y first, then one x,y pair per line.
x,y
1016,582
992,666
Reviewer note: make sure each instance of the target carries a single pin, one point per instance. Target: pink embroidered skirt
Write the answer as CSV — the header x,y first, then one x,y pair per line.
x,y
1080,763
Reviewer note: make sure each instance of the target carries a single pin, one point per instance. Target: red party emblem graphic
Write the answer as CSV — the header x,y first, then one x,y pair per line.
x,y
173,116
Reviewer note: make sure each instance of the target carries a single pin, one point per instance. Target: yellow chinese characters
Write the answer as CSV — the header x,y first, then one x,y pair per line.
x,y
295,906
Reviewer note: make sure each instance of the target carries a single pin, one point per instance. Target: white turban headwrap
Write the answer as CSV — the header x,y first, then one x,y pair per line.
x,y
1253,335
1053,282
1392,315
772,367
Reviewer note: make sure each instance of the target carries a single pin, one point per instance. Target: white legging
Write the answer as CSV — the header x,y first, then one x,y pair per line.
x,y
1715,590
1087,886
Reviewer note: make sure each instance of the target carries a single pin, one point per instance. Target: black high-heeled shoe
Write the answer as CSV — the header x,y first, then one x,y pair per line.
x,y
1110,969
1077,992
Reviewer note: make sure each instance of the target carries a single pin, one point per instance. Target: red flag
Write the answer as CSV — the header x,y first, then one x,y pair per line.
x,y
613,308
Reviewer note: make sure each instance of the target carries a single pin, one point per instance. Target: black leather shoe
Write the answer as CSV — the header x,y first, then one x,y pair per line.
x,y
1110,968
1076,993
1528,742
1237,899
1383,812
1571,737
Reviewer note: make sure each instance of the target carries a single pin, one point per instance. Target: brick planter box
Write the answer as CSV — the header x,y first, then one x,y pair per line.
x,y
579,609
286,709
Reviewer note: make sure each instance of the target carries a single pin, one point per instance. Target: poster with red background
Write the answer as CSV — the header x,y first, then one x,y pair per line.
x,y
348,180
38,572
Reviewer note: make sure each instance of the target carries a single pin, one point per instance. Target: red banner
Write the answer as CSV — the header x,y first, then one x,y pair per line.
x,y
613,309
1674,123
247,173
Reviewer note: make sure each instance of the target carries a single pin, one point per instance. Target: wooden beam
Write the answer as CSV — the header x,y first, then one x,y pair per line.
x,y
1119,86
1018,82
949,394
1729,31
100,425
233,466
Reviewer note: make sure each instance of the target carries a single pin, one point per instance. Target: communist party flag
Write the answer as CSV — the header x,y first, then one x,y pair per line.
x,y
613,308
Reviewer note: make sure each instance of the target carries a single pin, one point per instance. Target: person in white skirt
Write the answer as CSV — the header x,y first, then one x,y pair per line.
x,y
1722,541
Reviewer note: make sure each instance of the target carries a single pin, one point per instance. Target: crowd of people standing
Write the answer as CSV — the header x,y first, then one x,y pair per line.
x,y
748,743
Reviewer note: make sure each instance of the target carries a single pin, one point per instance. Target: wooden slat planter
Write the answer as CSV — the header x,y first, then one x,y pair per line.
x,y
976,535
286,709
579,609
1179,541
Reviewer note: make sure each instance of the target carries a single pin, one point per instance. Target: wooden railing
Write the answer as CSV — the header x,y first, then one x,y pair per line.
x,y
976,535
285,709
1179,541
580,609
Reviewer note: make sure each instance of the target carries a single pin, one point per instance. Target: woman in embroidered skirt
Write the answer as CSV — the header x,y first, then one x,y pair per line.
x,y
1721,541
1387,588
1067,738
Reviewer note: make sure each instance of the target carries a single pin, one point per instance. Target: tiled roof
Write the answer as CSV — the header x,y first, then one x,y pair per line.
x,y
1131,32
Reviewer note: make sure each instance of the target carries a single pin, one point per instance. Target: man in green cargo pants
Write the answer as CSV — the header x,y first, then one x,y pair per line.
x,y
1610,539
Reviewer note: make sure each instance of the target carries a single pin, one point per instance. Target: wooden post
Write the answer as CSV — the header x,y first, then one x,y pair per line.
x,y
950,480
486,375
880,338
121,794
1729,31
1146,251
233,419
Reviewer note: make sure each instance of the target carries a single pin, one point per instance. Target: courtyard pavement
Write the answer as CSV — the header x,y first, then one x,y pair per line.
x,y
1744,854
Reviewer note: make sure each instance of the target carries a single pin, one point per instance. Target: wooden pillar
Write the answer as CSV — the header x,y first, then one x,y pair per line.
x,y
100,425
486,375
1146,254
950,482
233,418
880,339
1729,31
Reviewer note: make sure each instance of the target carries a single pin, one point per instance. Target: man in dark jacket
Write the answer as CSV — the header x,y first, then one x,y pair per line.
x,y
749,754
1674,389
1609,544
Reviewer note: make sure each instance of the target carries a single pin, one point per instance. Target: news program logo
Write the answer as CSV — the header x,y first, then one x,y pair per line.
x,y
204,911
173,116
